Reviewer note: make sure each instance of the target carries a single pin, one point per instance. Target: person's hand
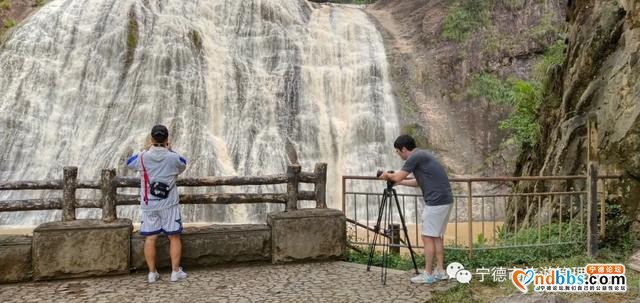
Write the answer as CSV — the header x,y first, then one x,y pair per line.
x,y
382,175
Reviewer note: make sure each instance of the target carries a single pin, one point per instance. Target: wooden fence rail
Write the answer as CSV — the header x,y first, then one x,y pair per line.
x,y
109,183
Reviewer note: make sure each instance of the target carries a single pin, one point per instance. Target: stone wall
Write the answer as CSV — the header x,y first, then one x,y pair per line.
x,y
83,248
307,234
210,245
15,258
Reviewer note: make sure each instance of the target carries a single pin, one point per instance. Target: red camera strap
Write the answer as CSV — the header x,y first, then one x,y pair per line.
x,y
146,180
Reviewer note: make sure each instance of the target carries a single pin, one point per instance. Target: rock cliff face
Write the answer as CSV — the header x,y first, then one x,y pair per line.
x,y
599,77
432,71
13,12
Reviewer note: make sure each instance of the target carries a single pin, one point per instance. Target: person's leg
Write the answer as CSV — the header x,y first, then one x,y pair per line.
x,y
427,276
173,228
439,247
429,251
175,251
150,252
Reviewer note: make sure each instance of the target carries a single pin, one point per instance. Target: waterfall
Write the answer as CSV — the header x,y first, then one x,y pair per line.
x,y
234,81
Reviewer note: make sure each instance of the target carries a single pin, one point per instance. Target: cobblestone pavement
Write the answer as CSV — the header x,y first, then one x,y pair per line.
x,y
307,282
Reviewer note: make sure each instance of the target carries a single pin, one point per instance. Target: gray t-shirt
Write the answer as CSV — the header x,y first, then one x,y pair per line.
x,y
164,166
431,177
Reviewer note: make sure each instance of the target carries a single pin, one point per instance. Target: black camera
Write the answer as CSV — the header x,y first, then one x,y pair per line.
x,y
389,182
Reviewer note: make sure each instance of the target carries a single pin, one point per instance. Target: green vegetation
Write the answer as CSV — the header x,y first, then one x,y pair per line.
x,y
5,5
132,37
40,2
524,96
195,39
490,87
483,256
619,243
549,63
573,255
418,133
544,28
464,17
514,5
9,23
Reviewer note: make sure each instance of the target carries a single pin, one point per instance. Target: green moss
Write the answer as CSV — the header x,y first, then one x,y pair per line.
x,y
418,133
9,23
488,86
195,39
457,25
5,5
40,2
514,5
544,28
132,37
552,60
464,17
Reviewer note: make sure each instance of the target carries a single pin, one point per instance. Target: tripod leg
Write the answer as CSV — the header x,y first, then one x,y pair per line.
x,y
406,233
372,245
385,248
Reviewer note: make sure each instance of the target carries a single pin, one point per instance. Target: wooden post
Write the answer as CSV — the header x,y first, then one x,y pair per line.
x,y
321,185
470,214
395,238
292,187
592,187
108,187
69,184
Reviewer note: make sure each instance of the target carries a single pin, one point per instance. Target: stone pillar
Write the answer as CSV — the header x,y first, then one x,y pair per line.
x,y
307,234
81,248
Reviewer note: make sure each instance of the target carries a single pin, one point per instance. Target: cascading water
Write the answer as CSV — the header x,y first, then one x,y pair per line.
x,y
82,83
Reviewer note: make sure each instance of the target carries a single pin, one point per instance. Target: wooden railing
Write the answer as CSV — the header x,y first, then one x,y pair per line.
x,y
109,183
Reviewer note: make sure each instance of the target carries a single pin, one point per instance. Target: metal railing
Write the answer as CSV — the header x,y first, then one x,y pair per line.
x,y
109,184
487,213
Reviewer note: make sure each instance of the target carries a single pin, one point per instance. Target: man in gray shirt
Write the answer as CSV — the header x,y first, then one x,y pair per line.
x,y
432,179
159,201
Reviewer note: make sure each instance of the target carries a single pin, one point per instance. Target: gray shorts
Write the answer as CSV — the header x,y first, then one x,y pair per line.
x,y
435,219
167,221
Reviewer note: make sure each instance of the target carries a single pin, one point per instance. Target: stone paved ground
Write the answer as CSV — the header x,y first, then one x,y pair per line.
x,y
308,282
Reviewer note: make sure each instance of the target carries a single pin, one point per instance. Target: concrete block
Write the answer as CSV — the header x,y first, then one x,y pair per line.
x,y
81,248
307,234
210,245
15,258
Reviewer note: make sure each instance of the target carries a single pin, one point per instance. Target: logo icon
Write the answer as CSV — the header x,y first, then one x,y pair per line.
x,y
522,278
463,276
456,271
453,268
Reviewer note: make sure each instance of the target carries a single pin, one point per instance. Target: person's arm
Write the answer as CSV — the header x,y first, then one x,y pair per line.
x,y
182,163
408,182
134,162
395,177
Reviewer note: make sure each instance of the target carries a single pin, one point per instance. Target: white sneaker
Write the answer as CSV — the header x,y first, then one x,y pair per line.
x,y
423,278
440,275
153,277
178,275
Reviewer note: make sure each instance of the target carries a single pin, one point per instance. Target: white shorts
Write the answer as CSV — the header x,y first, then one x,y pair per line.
x,y
435,219
167,221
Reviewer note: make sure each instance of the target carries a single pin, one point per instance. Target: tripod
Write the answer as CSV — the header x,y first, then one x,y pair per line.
x,y
385,210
